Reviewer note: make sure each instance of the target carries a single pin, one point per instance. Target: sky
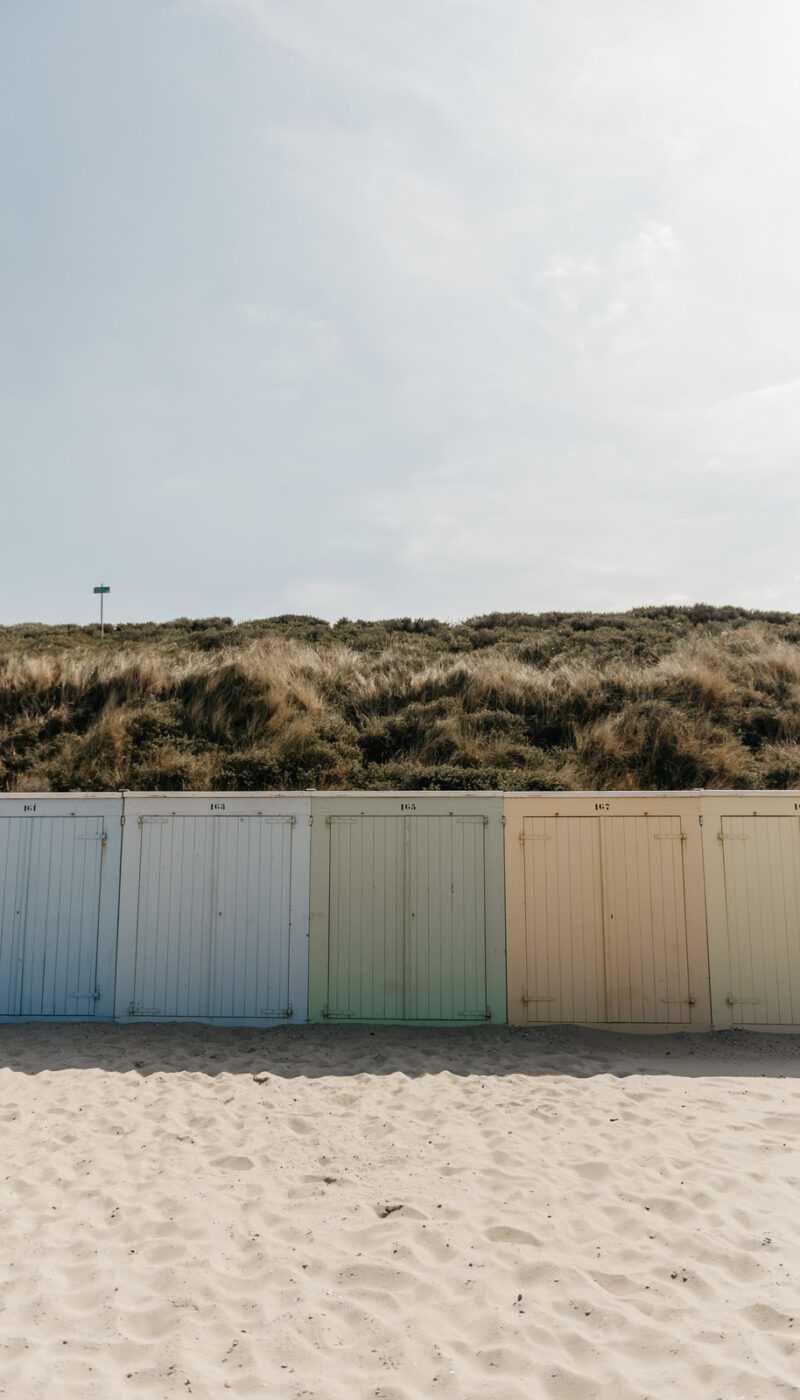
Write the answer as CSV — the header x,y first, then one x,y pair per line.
x,y
366,309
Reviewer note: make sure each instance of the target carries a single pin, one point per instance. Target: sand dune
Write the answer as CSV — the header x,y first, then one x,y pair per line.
x,y
318,1213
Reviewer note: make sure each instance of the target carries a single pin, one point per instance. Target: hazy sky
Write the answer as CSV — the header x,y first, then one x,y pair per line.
x,y
371,308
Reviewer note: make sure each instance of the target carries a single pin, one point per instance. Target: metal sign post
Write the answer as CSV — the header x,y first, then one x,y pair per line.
x,y
102,589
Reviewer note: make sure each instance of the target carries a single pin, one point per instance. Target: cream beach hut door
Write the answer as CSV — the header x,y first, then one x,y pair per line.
x,y
644,918
761,856
407,918
605,920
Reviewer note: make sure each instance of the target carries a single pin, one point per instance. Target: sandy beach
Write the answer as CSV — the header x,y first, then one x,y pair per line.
x,y
316,1213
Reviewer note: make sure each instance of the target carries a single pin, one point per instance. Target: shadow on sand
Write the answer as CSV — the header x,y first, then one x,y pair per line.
x,y
315,1052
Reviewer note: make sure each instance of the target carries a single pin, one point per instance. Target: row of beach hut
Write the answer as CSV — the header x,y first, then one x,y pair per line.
x,y
668,911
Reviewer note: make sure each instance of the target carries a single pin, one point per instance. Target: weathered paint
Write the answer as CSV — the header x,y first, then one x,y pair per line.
x,y
751,844
214,908
59,886
605,910
407,908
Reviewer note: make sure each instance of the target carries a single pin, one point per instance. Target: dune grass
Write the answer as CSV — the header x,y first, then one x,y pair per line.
x,y
653,698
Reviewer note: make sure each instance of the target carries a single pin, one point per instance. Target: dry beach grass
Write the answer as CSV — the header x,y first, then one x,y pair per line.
x,y
656,698
320,1213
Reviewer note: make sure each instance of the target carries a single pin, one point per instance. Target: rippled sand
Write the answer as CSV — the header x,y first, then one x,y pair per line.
x,y
339,1212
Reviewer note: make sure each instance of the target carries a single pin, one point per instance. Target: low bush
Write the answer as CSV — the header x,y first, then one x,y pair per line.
x,y
654,698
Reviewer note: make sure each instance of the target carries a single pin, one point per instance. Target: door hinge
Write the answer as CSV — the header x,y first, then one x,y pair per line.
x,y
677,1001
95,836
669,835
284,1012
485,1015
743,1001
730,836
529,1001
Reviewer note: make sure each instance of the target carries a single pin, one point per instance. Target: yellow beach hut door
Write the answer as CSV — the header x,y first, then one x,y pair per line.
x,y
605,920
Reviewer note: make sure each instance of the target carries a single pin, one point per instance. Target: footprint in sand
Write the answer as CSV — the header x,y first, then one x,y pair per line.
x,y
506,1234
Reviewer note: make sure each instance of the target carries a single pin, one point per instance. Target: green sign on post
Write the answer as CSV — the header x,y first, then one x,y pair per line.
x,y
101,588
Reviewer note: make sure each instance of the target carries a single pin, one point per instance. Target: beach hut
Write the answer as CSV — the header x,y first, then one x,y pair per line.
x,y
407,908
59,884
751,844
214,908
605,910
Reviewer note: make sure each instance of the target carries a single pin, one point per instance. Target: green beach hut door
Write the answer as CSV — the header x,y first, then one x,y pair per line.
x,y
407,923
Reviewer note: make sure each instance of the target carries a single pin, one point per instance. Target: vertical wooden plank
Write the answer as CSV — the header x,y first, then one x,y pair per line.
x,y
380,975
14,848
447,923
88,933
645,923
366,989
39,995
395,917
169,985
761,860
79,899
233,901
337,834
280,972
478,982
267,968
69,898
88,835
791,1008
563,919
